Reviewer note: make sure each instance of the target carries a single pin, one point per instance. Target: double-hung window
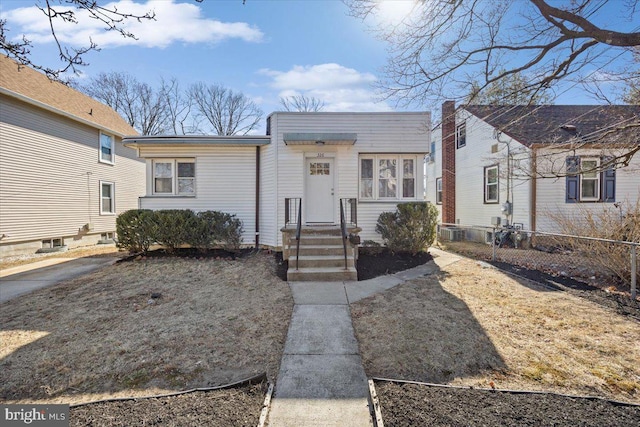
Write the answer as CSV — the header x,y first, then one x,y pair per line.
x,y
107,152
461,135
589,180
388,177
174,177
438,191
107,198
491,194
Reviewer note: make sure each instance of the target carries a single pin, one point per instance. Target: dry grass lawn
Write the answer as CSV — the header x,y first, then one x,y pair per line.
x,y
472,325
99,336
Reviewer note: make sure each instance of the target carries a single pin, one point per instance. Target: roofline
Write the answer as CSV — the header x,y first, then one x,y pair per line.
x,y
39,104
181,140
355,113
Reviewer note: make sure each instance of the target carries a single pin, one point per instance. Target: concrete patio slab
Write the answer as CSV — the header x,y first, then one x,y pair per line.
x,y
318,293
321,329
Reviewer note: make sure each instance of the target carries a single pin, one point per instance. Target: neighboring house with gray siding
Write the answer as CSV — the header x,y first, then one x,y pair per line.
x,y
64,173
529,164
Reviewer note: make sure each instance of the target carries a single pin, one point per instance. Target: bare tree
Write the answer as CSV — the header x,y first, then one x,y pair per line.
x,y
511,90
141,106
301,103
442,45
179,108
66,11
226,111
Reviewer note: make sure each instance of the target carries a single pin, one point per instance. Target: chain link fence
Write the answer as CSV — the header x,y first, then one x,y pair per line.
x,y
599,262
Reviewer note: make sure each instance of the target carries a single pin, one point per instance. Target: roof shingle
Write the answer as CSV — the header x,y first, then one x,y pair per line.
x,y
553,124
37,88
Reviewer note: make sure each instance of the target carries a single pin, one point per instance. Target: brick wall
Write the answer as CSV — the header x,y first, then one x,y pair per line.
x,y
448,162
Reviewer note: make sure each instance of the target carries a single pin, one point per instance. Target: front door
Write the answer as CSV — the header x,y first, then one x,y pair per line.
x,y
319,190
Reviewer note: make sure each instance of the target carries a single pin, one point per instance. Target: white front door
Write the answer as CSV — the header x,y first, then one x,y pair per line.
x,y
319,190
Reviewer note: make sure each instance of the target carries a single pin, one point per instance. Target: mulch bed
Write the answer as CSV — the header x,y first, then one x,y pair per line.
x,y
421,405
621,303
240,406
380,261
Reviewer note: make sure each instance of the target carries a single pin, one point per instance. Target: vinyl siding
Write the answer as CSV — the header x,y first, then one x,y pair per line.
x,y
376,133
225,181
551,192
471,160
50,175
433,171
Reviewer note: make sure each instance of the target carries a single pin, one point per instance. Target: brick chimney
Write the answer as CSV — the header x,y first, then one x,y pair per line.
x,y
449,162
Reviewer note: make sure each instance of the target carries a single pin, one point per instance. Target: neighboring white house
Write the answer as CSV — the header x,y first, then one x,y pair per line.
x,y
511,162
374,159
64,173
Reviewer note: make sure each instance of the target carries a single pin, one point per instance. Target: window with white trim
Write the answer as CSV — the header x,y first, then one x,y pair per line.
x,y
174,177
388,177
461,135
589,179
438,191
107,198
491,194
107,152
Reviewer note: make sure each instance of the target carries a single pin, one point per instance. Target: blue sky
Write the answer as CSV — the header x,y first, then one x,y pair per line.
x,y
265,49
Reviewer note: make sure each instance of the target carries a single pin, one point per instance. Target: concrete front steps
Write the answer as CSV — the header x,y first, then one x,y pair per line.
x,y
321,256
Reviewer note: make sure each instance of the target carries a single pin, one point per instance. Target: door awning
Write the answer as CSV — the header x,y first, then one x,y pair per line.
x,y
320,138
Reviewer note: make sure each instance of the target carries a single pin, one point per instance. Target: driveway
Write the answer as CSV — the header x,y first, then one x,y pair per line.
x,y
22,280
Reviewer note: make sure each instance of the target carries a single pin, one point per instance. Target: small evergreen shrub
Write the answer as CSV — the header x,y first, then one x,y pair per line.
x,y
216,229
139,228
411,228
136,230
174,227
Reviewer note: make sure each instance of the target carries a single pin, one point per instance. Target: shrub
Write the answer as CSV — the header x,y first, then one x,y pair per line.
x,y
136,230
411,228
175,227
139,228
216,229
612,221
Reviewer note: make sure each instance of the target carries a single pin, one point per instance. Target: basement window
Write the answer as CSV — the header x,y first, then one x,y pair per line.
x,y
52,243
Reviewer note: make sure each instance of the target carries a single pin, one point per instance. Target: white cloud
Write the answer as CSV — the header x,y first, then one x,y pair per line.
x,y
174,22
339,87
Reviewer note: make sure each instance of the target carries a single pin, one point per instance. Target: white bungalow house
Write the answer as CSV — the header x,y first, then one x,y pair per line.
x,y
366,162
525,164
64,173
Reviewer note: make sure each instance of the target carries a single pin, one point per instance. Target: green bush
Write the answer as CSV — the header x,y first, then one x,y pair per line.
x,y
174,227
411,228
139,228
216,229
136,230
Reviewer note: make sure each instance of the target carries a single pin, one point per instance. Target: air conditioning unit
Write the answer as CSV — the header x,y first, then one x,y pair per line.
x,y
452,234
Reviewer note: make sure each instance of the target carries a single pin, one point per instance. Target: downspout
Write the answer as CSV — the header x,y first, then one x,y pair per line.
x,y
257,197
534,187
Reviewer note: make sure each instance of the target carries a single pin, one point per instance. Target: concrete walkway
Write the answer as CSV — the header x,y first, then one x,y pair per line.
x,y
29,277
321,380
